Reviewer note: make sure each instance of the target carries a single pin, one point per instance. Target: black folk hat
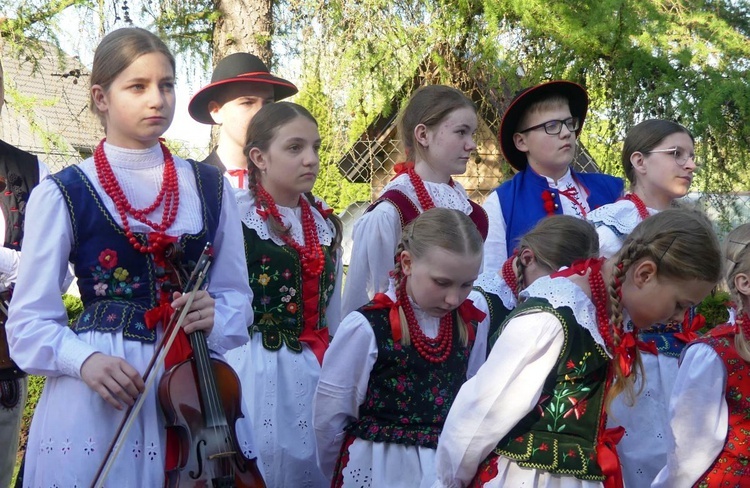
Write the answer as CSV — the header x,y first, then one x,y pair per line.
x,y
578,100
237,68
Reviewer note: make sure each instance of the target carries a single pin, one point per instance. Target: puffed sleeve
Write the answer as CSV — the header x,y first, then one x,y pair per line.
x,y
479,350
504,390
39,338
495,248
375,238
699,418
228,281
341,389
609,242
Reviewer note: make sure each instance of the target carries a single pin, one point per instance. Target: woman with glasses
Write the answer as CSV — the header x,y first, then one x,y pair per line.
x,y
658,157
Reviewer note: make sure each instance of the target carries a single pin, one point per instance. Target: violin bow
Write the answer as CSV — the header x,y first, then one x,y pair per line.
x,y
194,284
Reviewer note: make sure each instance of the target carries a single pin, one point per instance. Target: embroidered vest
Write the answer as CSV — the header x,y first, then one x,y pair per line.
x,y
276,280
560,434
117,283
408,210
731,467
522,204
498,314
20,172
407,397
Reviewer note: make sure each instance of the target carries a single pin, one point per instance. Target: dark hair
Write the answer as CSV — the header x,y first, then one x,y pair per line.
x,y
260,132
429,105
117,51
557,241
646,136
445,228
683,245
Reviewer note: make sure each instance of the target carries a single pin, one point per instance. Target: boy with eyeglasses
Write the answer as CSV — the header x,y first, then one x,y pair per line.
x,y
538,136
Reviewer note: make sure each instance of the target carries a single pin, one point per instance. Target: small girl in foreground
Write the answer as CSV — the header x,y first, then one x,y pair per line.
x,y
534,413
395,365
709,445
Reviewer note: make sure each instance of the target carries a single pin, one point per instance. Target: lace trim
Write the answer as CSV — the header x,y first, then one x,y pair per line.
x,y
249,215
442,194
561,292
494,283
620,216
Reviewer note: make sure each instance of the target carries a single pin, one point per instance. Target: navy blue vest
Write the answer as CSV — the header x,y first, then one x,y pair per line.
x,y
522,204
117,283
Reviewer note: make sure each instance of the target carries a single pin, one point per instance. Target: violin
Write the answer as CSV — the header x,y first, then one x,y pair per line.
x,y
201,398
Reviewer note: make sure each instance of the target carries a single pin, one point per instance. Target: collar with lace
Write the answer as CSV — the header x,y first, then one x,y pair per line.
x,y
120,157
442,194
291,216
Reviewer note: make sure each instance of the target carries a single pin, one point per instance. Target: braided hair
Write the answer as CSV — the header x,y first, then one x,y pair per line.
x,y
684,246
557,241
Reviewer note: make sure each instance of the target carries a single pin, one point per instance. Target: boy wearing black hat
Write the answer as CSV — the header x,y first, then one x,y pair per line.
x,y
240,85
538,136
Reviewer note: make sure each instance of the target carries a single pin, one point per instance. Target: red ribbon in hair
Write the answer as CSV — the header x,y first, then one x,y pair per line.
x,y
606,456
625,352
325,212
380,301
690,328
469,313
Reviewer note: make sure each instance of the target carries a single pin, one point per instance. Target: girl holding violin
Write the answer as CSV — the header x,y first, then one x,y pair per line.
x,y
116,216
292,246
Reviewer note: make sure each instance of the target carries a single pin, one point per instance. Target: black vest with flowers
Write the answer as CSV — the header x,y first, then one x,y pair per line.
x,y
276,280
498,315
560,434
118,284
408,398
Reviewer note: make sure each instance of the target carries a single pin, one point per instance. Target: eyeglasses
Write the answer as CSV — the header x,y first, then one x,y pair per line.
x,y
680,155
554,127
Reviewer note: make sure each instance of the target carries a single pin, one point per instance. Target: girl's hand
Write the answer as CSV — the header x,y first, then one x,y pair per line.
x,y
201,315
115,380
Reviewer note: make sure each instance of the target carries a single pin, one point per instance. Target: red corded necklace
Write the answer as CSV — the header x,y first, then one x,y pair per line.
x,y
425,200
434,350
509,275
639,205
169,195
310,254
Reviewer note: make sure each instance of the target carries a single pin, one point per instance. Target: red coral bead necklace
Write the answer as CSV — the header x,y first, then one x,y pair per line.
x,y
434,350
639,205
169,195
310,254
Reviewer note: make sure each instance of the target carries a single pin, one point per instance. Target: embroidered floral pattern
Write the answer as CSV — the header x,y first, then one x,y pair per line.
x,y
112,281
408,399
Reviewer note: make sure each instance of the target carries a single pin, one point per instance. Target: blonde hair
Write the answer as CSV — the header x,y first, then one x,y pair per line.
x,y
260,132
448,229
683,245
116,52
429,105
557,241
737,260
